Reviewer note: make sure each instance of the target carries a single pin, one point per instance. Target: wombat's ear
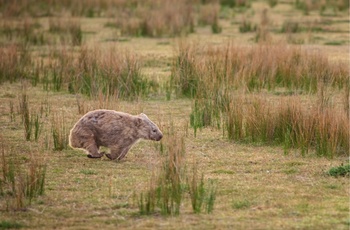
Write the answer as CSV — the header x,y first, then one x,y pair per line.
x,y
143,115
138,121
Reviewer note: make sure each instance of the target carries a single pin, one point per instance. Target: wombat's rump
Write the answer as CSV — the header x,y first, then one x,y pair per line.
x,y
117,131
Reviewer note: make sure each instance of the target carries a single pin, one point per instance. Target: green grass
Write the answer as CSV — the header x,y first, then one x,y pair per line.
x,y
241,204
342,170
88,172
10,225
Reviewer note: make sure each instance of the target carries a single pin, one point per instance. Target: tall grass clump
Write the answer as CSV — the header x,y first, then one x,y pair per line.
x,y
20,182
253,69
157,19
67,28
209,15
201,195
60,69
94,72
31,122
113,73
44,8
14,61
167,186
324,131
26,32
263,32
184,76
321,6
205,112
59,133
214,73
170,184
24,110
247,26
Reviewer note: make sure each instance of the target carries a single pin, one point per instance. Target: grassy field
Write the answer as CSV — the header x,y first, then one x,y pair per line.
x,y
252,98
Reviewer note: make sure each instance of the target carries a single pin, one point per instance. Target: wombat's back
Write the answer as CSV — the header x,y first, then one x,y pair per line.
x,y
103,125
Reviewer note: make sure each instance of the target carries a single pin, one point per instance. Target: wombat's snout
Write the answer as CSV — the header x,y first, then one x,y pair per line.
x,y
160,137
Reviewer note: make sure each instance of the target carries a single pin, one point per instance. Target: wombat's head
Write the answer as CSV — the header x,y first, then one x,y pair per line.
x,y
147,129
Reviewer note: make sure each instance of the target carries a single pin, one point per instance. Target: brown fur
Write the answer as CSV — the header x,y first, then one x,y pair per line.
x,y
117,131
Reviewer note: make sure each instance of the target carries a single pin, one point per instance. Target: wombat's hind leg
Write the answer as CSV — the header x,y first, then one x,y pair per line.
x,y
115,153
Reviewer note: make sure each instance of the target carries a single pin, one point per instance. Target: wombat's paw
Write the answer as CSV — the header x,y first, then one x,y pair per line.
x,y
109,156
92,156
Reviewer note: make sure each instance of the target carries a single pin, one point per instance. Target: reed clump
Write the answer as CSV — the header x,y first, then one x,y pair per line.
x,y
20,182
169,185
14,61
202,195
30,120
254,68
166,190
157,19
69,27
211,76
115,73
290,125
60,133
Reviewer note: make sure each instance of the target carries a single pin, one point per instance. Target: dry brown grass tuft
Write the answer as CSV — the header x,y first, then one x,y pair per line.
x,y
255,120
157,19
210,78
255,68
21,181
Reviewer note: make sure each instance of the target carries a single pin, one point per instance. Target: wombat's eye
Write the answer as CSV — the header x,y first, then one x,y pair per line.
x,y
153,130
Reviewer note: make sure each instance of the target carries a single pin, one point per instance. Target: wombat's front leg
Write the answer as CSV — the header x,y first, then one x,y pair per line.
x,y
96,156
93,151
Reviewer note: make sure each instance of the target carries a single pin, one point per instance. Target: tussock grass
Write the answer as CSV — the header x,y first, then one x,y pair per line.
x,y
30,120
290,125
71,27
246,26
27,31
60,133
168,186
253,68
117,73
209,15
210,78
157,19
92,72
20,182
13,62
201,194
47,8
321,6
24,110
184,76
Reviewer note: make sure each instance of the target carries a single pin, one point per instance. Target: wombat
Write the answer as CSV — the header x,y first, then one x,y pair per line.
x,y
117,131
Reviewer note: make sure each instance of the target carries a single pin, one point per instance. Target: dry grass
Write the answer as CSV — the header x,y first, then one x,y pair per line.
x,y
258,185
254,68
102,191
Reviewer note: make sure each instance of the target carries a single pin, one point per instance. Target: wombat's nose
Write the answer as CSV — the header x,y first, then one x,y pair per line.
x,y
160,136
